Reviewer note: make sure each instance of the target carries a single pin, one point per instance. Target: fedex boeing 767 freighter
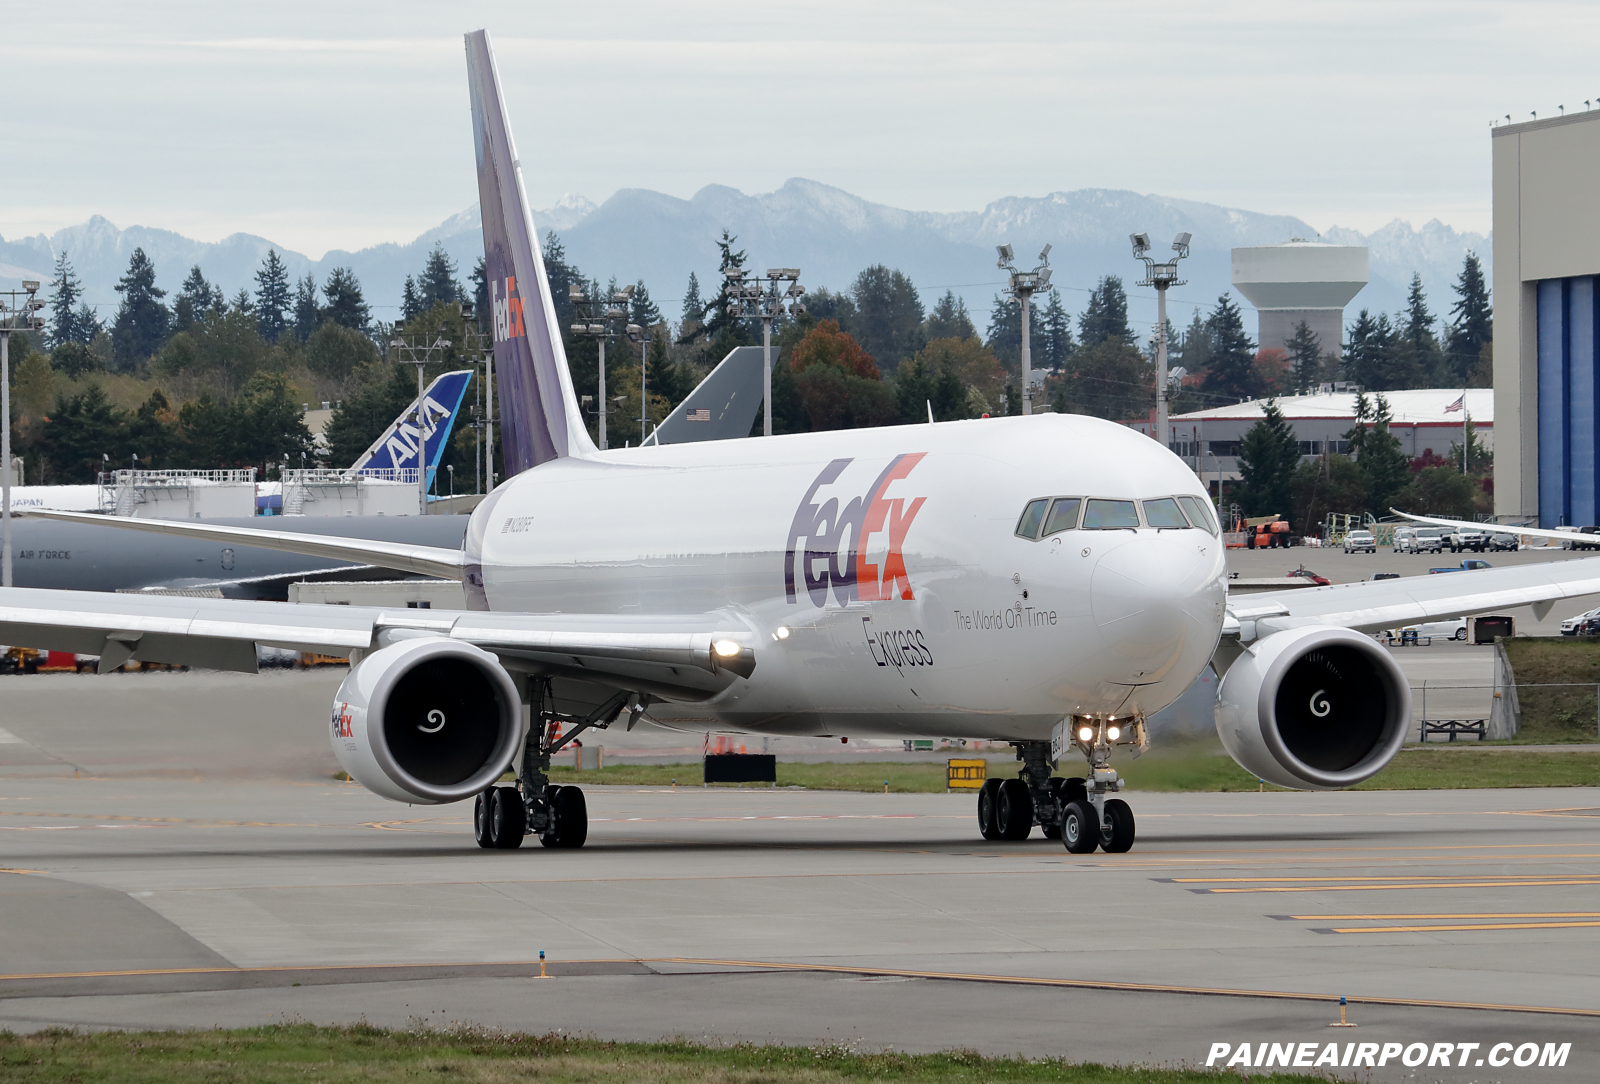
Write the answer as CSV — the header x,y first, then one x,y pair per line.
x,y
1048,581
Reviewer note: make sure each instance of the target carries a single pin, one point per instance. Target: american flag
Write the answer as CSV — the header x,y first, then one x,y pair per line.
x,y
701,415
1459,404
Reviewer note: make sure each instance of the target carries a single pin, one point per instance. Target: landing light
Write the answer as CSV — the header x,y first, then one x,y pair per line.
x,y
726,649
783,632
1085,733
1113,733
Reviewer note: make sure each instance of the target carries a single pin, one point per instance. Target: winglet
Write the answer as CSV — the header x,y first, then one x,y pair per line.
x,y
538,411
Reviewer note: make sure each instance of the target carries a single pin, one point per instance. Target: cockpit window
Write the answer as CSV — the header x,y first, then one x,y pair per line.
x,y
1106,515
1199,512
1063,515
1032,516
1164,512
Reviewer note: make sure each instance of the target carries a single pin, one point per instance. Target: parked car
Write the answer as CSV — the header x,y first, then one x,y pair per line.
x,y
1590,626
1386,575
1466,538
1453,629
1581,543
1360,542
1420,540
1501,542
1570,626
1320,581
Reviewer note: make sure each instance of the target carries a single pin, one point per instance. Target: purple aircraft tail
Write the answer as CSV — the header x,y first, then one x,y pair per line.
x,y
539,418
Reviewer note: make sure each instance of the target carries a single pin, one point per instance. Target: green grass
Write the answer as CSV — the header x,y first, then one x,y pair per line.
x,y
374,1056
1565,711
1189,766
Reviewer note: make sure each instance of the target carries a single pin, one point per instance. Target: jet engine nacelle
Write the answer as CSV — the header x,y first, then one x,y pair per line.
x,y
1313,708
427,721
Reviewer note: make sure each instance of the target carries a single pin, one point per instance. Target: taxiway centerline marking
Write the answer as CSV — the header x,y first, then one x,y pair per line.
x,y
1509,877
1453,915
1137,987
1384,887
1462,927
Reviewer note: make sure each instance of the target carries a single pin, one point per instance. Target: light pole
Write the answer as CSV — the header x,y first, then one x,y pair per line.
x,y
1023,285
411,347
599,324
754,297
1161,275
14,316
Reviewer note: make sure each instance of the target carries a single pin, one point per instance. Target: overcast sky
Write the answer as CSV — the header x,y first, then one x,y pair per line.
x,y
327,125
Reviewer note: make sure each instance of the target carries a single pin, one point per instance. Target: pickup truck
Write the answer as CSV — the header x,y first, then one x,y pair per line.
x,y
1360,542
1465,566
1466,538
1581,543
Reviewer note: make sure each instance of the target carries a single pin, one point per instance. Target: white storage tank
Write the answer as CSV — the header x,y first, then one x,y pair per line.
x,y
1300,281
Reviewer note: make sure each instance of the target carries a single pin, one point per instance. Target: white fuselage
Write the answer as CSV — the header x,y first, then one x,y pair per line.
x,y
943,623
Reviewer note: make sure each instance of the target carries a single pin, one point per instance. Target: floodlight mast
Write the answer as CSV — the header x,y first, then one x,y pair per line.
x,y
14,316
596,318
1022,286
1161,276
411,346
758,297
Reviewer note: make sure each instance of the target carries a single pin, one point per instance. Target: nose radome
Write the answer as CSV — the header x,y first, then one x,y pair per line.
x,y
1142,596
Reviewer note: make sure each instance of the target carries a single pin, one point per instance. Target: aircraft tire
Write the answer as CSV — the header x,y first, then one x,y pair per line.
x,y
480,819
988,798
508,818
569,828
1013,810
1079,833
1116,834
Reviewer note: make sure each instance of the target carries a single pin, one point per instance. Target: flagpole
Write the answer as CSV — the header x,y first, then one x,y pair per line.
x,y
1466,420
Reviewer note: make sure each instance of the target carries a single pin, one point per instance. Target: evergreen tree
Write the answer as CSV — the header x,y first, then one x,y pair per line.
x,y
643,311
141,319
1106,314
888,320
242,303
1305,359
714,314
345,305
1194,351
307,310
948,319
438,281
273,300
1378,453
1368,352
410,300
194,301
1057,333
1005,333
1418,329
693,315
1473,325
480,293
66,290
1232,372
562,276
1268,457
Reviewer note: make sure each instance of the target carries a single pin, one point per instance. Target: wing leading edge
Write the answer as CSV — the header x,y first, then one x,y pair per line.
x,y
688,657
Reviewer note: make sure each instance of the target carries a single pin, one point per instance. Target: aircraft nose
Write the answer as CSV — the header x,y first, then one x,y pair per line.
x,y
1155,600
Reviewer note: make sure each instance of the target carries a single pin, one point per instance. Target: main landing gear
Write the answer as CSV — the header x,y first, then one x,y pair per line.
x,y
503,816
1079,810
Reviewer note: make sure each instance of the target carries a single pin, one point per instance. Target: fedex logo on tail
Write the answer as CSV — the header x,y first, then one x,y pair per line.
x,y
833,536
506,308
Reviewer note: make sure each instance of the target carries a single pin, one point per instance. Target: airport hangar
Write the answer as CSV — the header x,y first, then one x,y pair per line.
x,y
1546,320
1423,420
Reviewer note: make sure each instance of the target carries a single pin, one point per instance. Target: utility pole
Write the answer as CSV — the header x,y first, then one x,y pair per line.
x,y
1023,285
1161,276
14,316
596,319
411,347
754,297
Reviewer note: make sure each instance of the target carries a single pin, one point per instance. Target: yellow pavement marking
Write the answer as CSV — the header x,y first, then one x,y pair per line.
x,y
1450,915
301,967
1137,987
1385,886
1474,926
1513,877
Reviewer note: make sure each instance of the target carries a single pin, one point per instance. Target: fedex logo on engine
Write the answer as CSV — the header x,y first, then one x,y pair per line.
x,y
342,721
506,309
833,533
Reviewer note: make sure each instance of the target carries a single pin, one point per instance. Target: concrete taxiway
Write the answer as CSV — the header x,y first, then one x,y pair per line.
x,y
180,856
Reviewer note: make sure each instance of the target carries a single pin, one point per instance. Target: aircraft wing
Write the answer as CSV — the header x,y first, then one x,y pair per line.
x,y
677,657
1382,604
447,564
1500,528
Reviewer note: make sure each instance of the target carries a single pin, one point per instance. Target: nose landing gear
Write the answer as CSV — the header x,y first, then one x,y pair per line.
x,y
1077,811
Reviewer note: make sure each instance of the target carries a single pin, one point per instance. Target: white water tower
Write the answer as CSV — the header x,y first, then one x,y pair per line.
x,y
1300,281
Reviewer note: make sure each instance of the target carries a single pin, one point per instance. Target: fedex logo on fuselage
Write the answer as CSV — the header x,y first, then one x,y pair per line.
x,y
505,304
831,535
